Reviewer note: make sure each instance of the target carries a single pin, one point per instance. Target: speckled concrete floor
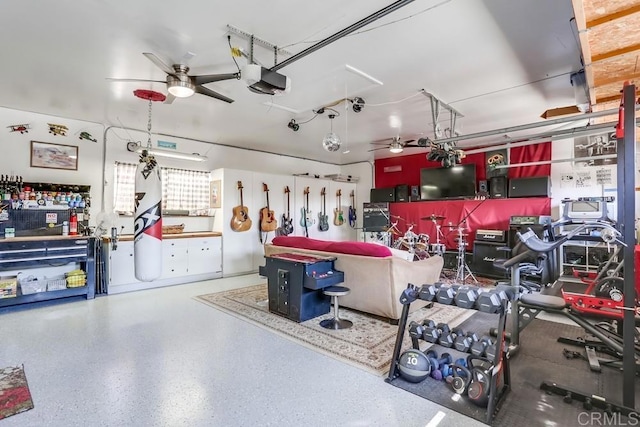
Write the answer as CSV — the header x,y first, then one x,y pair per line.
x,y
160,358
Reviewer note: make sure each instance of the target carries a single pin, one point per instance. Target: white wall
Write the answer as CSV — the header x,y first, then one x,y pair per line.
x,y
572,180
16,155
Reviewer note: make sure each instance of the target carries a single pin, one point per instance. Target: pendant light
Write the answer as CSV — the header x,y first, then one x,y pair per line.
x,y
331,141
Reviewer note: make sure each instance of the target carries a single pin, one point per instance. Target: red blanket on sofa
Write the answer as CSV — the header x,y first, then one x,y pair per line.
x,y
351,248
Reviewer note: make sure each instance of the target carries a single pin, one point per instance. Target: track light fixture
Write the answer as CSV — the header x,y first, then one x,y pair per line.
x,y
358,104
293,125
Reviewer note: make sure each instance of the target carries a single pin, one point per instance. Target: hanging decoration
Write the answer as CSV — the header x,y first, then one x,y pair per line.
x,y
21,127
147,247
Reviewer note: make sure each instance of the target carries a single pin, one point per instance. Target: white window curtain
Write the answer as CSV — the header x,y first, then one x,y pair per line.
x,y
124,188
181,188
185,189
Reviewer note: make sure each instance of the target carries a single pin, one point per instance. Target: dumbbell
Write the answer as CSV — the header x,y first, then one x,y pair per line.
x,y
428,292
437,364
463,343
490,351
491,301
466,296
446,294
447,369
479,347
432,331
416,330
449,338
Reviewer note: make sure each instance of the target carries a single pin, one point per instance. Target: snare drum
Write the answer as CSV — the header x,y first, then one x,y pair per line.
x,y
423,242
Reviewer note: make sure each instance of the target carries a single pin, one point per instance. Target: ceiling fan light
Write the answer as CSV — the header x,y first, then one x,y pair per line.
x,y
396,147
181,89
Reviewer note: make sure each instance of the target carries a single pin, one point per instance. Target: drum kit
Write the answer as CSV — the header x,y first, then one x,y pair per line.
x,y
418,244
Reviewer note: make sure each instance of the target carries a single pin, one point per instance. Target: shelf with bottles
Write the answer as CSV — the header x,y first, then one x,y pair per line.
x,y
38,208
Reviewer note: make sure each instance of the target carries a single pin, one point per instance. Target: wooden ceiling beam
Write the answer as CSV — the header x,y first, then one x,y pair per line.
x,y
613,97
613,16
617,52
616,79
581,25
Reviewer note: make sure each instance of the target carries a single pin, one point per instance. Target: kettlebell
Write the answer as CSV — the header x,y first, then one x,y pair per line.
x,y
460,378
478,388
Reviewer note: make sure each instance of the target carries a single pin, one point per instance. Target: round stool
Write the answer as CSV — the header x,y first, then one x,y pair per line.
x,y
336,323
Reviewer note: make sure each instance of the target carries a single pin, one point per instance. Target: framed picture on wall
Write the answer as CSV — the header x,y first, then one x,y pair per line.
x,y
215,194
54,156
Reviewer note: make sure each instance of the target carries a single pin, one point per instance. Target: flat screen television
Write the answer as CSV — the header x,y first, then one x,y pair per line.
x,y
446,183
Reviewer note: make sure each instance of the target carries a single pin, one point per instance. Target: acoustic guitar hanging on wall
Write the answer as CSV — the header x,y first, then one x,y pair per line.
x,y
268,221
240,220
338,215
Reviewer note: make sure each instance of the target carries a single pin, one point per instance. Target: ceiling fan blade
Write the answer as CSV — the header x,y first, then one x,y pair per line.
x,y
409,141
134,80
376,149
159,63
210,78
170,98
561,111
380,143
204,91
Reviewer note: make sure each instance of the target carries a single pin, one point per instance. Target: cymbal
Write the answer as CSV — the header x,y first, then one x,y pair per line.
x,y
433,217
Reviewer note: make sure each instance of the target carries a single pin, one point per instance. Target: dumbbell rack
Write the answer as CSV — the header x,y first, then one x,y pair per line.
x,y
501,362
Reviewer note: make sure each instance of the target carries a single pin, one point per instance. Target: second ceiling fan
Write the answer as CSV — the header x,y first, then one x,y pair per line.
x,y
395,146
181,85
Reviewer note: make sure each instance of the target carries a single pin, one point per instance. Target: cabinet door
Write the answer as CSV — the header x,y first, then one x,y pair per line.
x,y
121,265
174,258
205,255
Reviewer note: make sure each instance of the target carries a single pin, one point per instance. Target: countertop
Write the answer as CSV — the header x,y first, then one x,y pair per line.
x,y
42,238
129,237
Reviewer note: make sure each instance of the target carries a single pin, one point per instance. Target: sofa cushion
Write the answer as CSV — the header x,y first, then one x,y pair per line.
x,y
301,242
359,248
351,248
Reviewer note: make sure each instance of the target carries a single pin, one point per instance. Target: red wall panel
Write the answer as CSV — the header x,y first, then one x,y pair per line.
x,y
409,166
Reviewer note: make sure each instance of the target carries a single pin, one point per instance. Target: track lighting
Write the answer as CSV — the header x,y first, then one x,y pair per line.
x,y
293,125
358,104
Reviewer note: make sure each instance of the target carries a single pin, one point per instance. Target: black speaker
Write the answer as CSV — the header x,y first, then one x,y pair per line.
x,y
529,187
451,259
483,186
375,217
484,254
415,193
402,193
498,187
378,195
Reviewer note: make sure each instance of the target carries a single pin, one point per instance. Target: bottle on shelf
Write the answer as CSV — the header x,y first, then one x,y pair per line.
x,y
73,223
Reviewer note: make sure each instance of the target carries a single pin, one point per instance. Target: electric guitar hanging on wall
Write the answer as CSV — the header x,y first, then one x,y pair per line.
x,y
323,224
352,210
268,221
306,219
240,220
338,215
287,222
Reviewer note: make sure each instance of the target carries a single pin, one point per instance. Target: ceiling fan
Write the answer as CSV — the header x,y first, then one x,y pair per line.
x,y
395,146
180,84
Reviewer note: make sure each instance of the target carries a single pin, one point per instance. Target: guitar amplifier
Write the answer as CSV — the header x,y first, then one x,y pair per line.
x,y
484,255
375,217
379,195
496,236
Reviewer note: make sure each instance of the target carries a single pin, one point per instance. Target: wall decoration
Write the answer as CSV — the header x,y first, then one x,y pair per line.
x,y
22,128
54,156
57,129
496,158
215,194
604,176
87,136
593,146
567,180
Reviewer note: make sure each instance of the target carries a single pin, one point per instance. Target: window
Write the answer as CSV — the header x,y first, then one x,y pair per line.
x,y
181,188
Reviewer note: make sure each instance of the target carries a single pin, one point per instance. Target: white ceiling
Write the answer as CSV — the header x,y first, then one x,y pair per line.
x,y
498,62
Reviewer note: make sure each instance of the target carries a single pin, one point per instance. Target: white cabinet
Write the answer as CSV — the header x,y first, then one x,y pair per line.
x,y
184,260
174,258
121,266
205,255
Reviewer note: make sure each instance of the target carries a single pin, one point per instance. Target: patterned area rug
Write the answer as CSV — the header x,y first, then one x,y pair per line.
x,y
14,392
368,344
